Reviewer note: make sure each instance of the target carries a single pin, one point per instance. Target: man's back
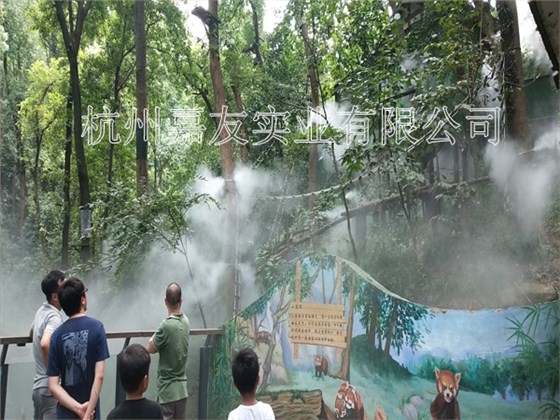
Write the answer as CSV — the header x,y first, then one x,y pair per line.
x,y
172,342
47,320
76,346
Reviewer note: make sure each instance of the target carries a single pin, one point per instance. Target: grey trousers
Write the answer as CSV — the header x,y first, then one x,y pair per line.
x,y
44,404
174,410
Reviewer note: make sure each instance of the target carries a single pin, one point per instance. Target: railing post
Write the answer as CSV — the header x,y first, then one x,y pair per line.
x,y
120,395
3,381
203,375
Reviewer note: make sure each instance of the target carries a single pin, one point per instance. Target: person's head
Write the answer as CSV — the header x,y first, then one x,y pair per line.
x,y
72,296
245,371
134,364
173,298
50,285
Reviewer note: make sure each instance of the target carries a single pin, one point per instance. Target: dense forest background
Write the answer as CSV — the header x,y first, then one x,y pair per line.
x,y
91,185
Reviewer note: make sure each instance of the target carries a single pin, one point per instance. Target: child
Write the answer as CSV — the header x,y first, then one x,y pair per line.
x,y
245,372
134,364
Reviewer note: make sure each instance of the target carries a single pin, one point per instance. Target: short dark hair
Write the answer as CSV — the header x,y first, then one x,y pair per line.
x,y
245,370
173,294
133,364
70,295
49,285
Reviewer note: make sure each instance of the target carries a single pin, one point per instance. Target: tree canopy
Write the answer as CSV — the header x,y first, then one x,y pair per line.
x,y
397,182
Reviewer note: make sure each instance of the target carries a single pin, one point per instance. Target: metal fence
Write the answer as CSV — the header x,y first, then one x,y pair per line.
x,y
205,356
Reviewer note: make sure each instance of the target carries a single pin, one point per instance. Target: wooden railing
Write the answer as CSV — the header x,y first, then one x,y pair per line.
x,y
21,341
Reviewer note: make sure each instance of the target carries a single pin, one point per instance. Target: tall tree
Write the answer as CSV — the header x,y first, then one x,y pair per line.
x,y
16,57
141,97
281,309
66,185
256,47
72,30
314,85
367,303
399,323
344,371
243,147
20,179
517,126
210,20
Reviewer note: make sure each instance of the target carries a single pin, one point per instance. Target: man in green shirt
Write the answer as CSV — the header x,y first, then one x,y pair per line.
x,y
171,341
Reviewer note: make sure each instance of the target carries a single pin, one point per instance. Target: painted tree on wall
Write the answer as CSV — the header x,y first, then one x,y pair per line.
x,y
285,298
367,304
234,337
389,322
399,323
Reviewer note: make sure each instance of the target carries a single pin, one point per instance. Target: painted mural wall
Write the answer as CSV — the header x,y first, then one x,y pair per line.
x,y
333,343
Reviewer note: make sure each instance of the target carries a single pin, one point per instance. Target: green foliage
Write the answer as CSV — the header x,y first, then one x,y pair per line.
x,y
536,365
368,53
139,222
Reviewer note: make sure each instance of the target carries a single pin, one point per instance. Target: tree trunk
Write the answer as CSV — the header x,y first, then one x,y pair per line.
x,y
372,326
5,93
456,169
72,35
66,186
391,326
36,177
517,126
118,84
281,310
83,177
21,178
210,19
141,97
243,148
314,84
476,157
361,231
257,42
1,185
464,203
432,207
323,282
344,372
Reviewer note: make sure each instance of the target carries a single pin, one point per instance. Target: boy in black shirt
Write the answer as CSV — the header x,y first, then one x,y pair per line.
x,y
134,364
